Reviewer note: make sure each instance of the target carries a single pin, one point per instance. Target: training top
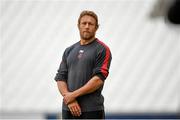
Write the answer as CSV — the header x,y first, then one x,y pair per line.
x,y
79,64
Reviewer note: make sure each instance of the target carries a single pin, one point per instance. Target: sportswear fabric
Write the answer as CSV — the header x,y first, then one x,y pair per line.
x,y
79,64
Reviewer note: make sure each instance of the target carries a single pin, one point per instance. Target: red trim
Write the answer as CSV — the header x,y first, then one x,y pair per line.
x,y
104,66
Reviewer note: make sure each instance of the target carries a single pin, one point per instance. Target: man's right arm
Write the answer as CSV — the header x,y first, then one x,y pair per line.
x,y
61,78
73,106
62,86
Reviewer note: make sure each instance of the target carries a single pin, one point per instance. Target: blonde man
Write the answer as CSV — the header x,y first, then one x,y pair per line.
x,y
82,72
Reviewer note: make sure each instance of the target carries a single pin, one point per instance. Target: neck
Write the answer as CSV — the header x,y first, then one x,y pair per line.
x,y
85,42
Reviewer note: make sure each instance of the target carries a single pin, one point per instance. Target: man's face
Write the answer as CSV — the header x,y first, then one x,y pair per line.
x,y
87,27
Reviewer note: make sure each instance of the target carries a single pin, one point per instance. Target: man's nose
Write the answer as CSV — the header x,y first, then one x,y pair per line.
x,y
87,25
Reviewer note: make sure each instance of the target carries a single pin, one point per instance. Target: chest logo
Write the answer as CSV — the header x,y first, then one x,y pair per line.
x,y
80,54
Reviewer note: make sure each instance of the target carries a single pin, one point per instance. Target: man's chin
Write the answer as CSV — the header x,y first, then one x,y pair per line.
x,y
87,38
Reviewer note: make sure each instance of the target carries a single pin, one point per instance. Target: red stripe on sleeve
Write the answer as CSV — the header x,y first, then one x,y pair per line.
x,y
104,67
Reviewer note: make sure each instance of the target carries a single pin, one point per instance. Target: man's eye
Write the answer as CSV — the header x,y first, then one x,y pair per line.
x,y
84,23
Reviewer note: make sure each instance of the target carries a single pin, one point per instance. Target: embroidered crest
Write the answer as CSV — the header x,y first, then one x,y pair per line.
x,y
80,54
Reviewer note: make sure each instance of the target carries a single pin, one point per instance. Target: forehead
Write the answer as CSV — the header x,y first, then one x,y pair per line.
x,y
88,18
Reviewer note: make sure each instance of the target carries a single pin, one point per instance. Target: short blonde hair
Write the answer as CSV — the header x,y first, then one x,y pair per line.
x,y
90,13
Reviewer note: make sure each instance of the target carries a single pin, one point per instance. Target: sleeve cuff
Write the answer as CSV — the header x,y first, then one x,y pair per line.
x,y
60,79
101,76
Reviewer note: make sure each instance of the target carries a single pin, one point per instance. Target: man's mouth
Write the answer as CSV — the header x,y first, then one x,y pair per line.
x,y
86,32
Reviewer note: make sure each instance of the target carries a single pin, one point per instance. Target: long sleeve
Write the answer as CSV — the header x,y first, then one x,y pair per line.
x,y
62,73
102,64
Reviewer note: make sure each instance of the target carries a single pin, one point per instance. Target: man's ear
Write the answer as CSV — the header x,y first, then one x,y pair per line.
x,y
97,26
78,25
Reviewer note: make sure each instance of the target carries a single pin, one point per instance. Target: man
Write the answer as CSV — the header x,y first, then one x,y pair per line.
x,y
82,72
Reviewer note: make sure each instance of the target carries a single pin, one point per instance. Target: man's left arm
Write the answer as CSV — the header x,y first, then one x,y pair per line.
x,y
92,85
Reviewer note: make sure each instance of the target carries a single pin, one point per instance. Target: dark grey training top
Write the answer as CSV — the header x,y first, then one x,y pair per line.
x,y
79,64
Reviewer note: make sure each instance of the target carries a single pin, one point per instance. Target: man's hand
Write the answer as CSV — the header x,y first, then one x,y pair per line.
x,y
74,108
92,85
69,97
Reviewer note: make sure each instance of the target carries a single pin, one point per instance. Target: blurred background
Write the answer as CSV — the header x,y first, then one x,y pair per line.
x,y
144,38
